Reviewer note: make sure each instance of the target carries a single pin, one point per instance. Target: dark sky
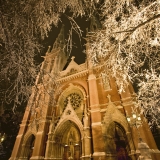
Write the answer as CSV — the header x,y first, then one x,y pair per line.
x,y
78,42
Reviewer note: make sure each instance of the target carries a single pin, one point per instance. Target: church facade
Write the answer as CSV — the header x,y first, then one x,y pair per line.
x,y
77,113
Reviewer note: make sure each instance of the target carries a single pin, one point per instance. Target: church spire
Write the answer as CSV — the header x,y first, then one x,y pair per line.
x,y
60,40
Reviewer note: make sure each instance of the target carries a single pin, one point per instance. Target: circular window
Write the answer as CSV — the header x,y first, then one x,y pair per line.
x,y
75,100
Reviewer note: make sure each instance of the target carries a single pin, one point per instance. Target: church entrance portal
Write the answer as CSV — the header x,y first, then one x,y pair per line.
x,y
68,142
121,143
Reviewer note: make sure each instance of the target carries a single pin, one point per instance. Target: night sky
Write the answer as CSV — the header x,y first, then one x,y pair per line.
x,y
78,42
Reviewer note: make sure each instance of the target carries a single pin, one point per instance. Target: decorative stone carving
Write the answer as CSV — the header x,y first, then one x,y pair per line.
x,y
72,68
105,81
85,117
113,114
52,123
111,118
72,71
75,100
68,114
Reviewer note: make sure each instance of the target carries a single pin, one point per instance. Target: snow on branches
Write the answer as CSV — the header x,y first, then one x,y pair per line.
x,y
23,24
130,45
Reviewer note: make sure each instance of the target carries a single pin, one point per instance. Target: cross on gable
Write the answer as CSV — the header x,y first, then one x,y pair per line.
x,y
69,100
72,58
109,98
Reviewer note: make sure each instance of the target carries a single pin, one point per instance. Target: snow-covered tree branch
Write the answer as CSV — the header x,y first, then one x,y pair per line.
x,y
128,44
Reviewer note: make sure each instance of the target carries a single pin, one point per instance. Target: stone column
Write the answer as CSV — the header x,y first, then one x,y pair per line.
x,y
48,147
53,149
98,150
23,152
59,150
83,147
93,91
43,129
39,146
86,137
86,149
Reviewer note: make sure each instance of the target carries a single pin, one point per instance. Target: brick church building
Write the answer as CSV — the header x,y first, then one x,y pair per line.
x,y
77,113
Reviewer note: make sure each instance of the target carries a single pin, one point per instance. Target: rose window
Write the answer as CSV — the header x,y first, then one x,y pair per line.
x,y
75,100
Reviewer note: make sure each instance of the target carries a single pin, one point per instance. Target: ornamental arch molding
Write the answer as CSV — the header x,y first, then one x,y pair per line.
x,y
115,124
68,88
77,96
69,115
65,139
112,114
28,134
61,127
28,144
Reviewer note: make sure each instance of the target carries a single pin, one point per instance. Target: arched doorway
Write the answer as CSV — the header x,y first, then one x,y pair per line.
x,y
121,143
31,146
68,142
69,129
27,148
116,143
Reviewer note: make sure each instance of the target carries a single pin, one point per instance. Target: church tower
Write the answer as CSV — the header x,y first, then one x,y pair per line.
x,y
77,113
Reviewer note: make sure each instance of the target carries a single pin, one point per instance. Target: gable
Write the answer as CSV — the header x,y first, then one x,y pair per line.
x,y
72,68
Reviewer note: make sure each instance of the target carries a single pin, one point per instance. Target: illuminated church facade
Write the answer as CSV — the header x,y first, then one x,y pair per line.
x,y
77,113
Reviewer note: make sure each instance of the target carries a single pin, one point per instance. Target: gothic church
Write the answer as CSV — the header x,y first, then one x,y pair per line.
x,y
77,113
